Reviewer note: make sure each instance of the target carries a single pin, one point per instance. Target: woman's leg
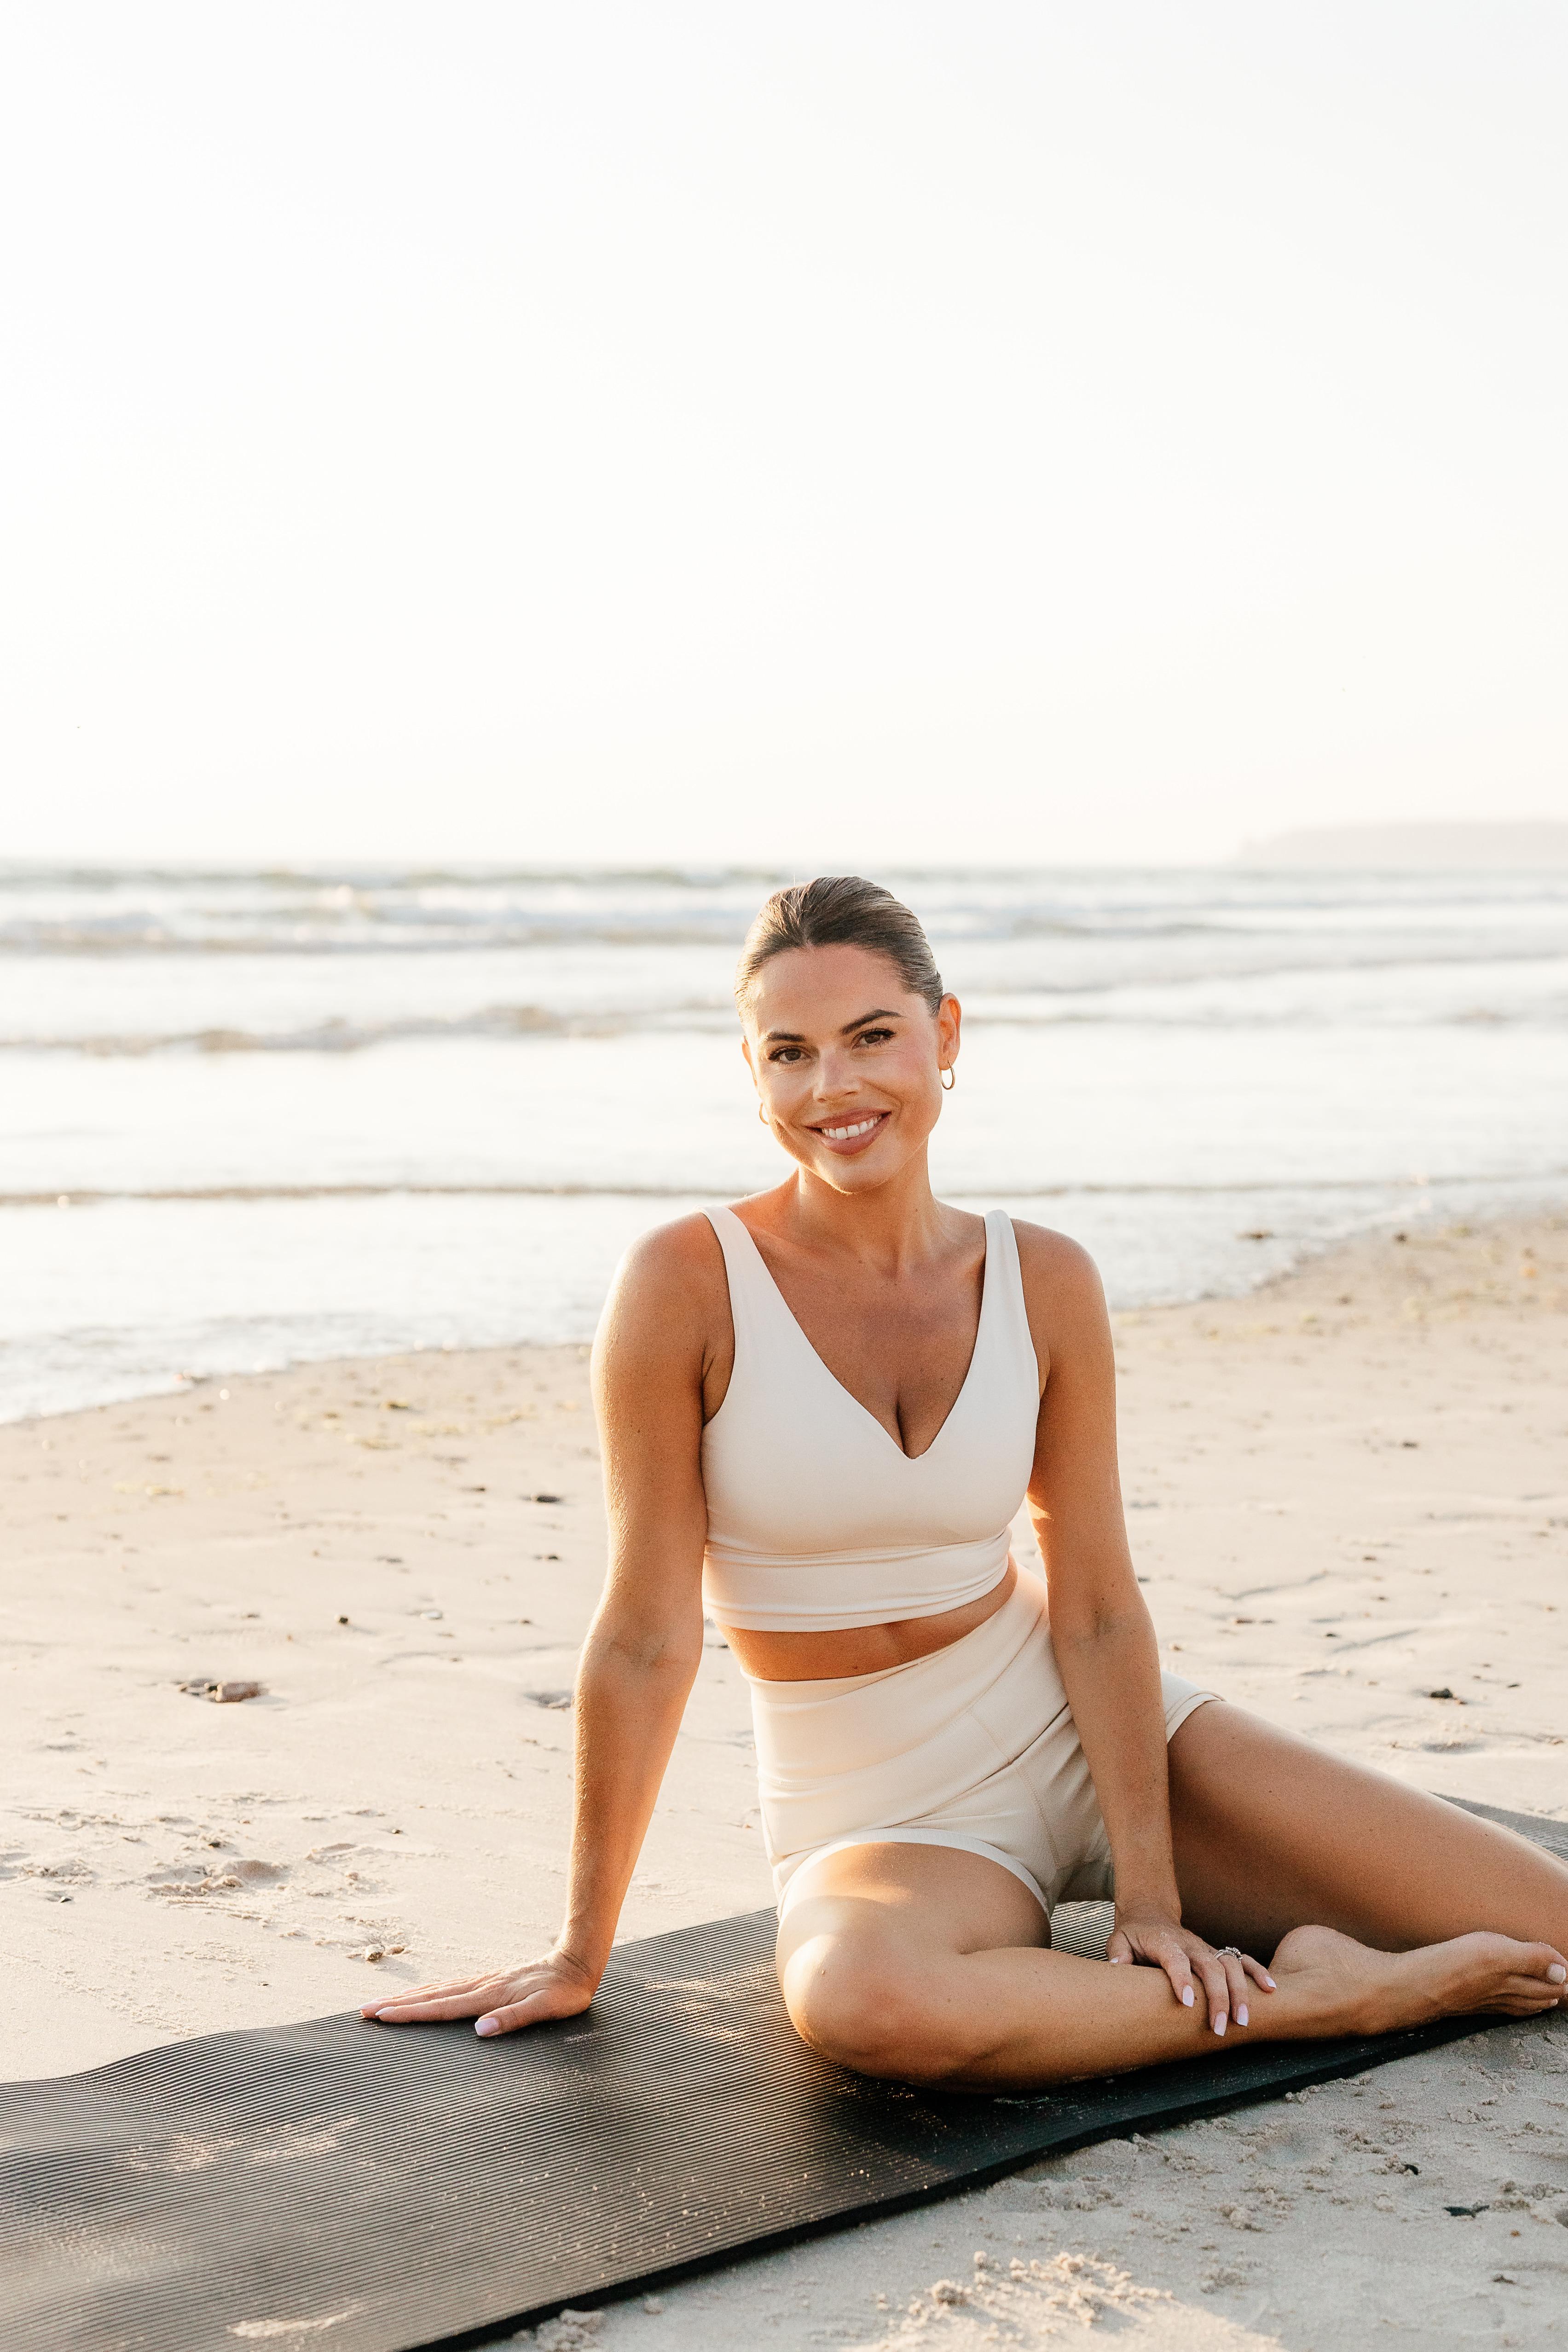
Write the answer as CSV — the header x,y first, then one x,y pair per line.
x,y
928,1964
1271,1833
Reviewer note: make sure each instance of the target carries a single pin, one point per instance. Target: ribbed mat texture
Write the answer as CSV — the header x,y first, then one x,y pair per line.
x,y
366,2189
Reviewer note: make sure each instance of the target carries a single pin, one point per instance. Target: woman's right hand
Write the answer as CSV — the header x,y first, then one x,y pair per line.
x,y
500,1999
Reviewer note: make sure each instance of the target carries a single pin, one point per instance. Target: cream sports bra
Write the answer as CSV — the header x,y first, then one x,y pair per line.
x,y
816,1519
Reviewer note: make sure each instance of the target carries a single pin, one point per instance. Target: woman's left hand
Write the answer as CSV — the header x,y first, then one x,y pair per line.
x,y
1188,1961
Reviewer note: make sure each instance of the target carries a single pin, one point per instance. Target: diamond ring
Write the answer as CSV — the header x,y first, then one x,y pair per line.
x,y
1229,1952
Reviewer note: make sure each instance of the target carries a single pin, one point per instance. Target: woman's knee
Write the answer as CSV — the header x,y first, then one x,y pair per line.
x,y
878,2011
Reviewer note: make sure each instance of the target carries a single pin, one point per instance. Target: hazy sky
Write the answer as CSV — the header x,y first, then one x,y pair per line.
x,y
828,429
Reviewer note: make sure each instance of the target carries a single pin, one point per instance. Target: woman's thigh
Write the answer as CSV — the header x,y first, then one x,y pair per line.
x,y
1273,1834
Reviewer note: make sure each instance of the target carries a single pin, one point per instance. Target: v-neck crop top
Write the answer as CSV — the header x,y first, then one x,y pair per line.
x,y
817,1519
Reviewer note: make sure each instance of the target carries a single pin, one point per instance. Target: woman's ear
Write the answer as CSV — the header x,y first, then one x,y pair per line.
x,y
949,1021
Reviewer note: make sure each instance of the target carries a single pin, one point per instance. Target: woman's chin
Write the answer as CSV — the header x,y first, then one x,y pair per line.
x,y
857,1171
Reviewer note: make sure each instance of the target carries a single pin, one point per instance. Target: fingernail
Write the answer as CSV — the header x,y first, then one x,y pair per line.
x,y
1186,1996
1270,1983
1116,1959
487,2025
1219,2022
1556,1973
1241,2017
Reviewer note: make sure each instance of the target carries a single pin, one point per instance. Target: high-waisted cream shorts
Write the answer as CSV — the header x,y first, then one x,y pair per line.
x,y
974,1746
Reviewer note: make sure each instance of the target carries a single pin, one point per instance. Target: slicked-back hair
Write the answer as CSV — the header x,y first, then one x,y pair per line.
x,y
841,910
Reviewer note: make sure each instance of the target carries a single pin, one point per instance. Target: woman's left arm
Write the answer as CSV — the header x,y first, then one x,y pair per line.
x,y
1100,1628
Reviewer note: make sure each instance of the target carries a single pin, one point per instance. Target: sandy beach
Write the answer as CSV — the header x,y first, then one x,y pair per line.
x,y
1348,1493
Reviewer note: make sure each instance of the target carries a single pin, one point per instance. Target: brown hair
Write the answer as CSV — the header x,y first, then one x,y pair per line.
x,y
841,910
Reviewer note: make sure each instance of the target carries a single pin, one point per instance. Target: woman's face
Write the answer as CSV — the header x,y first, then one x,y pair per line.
x,y
848,1063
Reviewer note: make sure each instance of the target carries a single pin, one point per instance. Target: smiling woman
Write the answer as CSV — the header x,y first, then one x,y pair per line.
x,y
858,920
822,1409
863,1081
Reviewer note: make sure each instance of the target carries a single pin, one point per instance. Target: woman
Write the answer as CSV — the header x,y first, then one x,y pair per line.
x,y
821,1411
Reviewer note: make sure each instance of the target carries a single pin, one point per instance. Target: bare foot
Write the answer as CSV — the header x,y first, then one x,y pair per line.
x,y
1360,1990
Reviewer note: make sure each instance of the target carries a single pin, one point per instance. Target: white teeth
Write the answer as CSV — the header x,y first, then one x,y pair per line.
x,y
848,1134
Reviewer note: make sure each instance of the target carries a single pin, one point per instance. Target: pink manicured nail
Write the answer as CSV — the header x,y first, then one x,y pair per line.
x,y
1186,1996
1116,1959
1270,1983
487,2025
1241,2017
1556,1973
1219,2022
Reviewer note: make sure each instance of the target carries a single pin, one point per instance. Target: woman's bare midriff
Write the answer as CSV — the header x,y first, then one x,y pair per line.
x,y
860,1649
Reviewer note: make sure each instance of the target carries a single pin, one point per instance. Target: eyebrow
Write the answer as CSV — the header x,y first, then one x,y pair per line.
x,y
794,1036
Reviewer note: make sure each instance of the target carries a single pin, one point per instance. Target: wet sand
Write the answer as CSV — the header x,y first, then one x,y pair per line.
x,y
1348,1493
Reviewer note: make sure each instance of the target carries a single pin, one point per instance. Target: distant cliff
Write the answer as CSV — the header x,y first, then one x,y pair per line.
x,y
1527,844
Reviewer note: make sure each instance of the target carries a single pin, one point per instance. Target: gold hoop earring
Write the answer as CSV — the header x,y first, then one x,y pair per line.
x,y
949,1078
763,1114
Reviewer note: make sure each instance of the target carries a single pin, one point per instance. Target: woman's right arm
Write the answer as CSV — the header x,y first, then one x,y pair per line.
x,y
641,1656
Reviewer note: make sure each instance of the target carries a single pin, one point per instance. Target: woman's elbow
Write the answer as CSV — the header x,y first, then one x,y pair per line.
x,y
671,1650
1088,1624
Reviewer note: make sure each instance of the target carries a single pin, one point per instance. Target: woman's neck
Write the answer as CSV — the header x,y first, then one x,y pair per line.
x,y
891,1225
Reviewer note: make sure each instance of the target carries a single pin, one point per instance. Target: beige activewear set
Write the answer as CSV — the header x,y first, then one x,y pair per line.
x,y
817,1519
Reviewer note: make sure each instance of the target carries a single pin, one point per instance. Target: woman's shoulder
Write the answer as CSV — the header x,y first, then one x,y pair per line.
x,y
674,1257
668,1310
1043,1251
1062,1288
680,1267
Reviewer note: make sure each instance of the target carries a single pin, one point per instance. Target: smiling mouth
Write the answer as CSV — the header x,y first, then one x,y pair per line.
x,y
853,1130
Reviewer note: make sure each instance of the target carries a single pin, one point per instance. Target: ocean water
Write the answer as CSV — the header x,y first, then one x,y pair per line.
x,y
247,1119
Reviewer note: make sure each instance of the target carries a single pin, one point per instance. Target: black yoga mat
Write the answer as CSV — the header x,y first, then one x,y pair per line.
x,y
366,2189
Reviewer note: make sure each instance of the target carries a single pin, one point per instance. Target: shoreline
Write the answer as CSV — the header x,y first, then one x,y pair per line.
x,y
218,1302
1348,1495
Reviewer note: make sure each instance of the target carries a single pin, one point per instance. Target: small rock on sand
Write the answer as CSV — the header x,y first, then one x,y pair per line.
x,y
574,2331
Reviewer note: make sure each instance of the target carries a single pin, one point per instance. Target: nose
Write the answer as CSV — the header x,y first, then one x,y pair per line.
x,y
835,1074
